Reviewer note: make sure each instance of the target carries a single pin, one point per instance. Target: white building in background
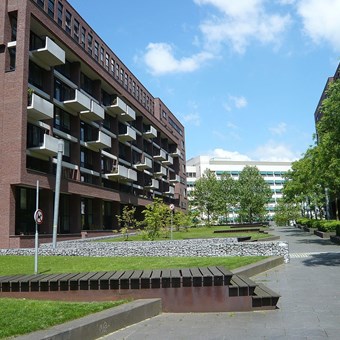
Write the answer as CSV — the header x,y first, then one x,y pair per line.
x,y
272,172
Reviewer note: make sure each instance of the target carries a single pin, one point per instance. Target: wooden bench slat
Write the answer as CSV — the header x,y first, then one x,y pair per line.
x,y
207,276
186,277
218,276
104,281
175,278
135,281
166,278
114,279
145,278
156,279
226,273
124,280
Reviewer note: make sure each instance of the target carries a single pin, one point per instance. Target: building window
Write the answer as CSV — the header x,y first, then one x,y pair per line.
x,y
117,71
62,91
163,114
133,88
50,9
96,50
68,22
12,58
126,77
62,120
89,44
102,55
41,3
86,84
35,75
112,67
121,75
14,26
64,69
83,34
35,136
107,61
76,29
60,13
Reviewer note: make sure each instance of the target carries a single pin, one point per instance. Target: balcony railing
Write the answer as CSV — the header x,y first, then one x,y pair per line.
x,y
175,179
50,55
170,191
79,103
160,172
151,132
39,108
103,141
49,147
118,106
127,116
160,155
152,184
95,113
176,153
128,135
168,161
119,172
144,163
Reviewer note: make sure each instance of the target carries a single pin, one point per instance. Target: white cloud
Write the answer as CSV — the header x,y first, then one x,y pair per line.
x,y
275,152
237,102
321,20
240,22
232,155
280,129
192,118
160,59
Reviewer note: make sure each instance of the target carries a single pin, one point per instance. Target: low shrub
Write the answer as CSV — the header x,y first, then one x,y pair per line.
x,y
329,226
302,221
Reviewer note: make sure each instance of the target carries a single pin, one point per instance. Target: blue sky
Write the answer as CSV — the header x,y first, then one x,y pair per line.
x,y
244,76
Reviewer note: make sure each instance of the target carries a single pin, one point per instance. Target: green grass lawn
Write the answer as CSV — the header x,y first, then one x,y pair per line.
x,y
12,265
199,232
21,316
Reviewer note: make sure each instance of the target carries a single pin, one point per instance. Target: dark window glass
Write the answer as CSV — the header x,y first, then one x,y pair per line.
x,y
51,8
60,13
96,50
86,84
89,43
62,120
41,3
36,42
68,22
83,34
14,26
65,69
76,29
12,58
36,75
62,91
35,136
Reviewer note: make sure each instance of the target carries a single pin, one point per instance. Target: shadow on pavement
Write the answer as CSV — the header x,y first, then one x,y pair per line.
x,y
321,241
326,259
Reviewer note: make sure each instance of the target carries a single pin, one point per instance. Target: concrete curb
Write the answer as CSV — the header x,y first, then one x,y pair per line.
x,y
99,324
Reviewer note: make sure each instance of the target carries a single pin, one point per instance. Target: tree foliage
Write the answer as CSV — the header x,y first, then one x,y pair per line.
x,y
285,212
127,221
253,194
156,219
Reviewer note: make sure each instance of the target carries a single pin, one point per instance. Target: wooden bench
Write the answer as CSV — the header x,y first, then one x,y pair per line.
x,y
241,286
264,297
238,230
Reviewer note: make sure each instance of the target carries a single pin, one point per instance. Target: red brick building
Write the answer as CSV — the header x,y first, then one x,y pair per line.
x,y
122,146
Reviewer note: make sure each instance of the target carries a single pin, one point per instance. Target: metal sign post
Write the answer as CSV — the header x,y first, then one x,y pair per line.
x,y
172,207
36,232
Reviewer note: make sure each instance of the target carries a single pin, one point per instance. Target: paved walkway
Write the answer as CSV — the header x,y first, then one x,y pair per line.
x,y
308,309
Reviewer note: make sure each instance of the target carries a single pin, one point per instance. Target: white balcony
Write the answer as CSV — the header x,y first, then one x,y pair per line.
x,y
176,153
39,108
50,55
128,136
79,103
171,191
144,163
132,175
117,107
103,141
120,172
175,179
127,116
169,161
152,184
160,172
95,113
151,132
48,148
160,155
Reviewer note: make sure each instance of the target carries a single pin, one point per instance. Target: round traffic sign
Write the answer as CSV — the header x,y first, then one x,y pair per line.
x,y
172,206
38,216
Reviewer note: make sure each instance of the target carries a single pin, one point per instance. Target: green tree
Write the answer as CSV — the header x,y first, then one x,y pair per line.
x,y
204,197
156,219
227,195
305,182
285,212
328,130
253,194
127,221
